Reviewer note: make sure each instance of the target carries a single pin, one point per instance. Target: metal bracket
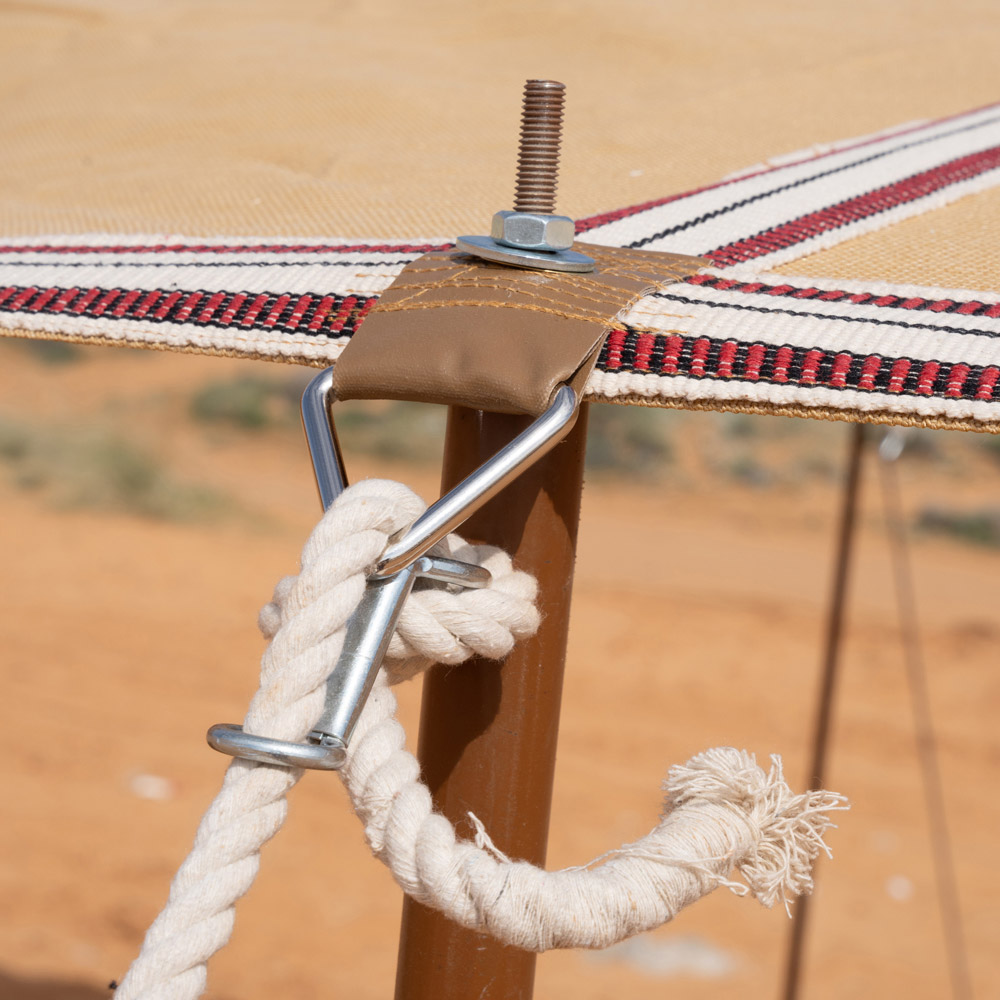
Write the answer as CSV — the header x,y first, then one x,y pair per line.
x,y
370,627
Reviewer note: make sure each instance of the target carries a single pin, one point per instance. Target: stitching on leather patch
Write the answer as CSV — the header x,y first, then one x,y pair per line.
x,y
454,329
460,273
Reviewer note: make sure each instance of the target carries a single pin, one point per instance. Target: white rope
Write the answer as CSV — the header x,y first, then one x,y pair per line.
x,y
722,811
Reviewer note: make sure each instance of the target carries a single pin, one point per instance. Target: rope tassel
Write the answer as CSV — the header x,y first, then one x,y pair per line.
x,y
722,813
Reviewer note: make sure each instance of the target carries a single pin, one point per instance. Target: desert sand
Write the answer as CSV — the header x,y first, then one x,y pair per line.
x,y
125,632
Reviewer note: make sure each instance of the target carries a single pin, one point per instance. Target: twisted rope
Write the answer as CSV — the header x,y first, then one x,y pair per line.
x,y
722,811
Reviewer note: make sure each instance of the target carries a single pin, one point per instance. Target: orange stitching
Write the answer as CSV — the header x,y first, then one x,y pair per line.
x,y
564,295
550,291
600,318
655,272
563,286
604,304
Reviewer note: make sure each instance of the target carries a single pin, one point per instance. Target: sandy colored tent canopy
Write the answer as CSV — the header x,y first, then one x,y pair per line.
x,y
388,147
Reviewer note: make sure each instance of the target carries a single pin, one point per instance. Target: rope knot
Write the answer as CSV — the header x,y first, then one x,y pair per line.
x,y
439,624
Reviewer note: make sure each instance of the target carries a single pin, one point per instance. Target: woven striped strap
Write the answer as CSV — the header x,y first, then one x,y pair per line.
x,y
732,337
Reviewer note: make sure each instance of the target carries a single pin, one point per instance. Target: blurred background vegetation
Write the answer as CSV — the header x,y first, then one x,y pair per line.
x,y
111,460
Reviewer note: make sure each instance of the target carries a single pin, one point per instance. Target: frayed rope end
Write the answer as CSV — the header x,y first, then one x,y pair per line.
x,y
788,828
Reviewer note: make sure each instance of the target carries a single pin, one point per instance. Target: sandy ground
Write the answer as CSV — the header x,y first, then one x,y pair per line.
x,y
697,621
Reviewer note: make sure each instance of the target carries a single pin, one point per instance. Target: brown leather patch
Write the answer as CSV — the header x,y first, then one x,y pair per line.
x,y
454,329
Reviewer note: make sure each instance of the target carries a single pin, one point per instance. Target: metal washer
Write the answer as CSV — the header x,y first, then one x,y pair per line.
x,y
559,260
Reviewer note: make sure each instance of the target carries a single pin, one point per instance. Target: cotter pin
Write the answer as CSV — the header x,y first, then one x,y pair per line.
x,y
370,627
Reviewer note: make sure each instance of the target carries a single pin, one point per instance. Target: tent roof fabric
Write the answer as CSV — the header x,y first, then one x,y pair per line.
x,y
309,123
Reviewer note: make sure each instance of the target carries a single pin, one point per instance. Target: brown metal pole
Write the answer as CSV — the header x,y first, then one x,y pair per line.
x,y
488,730
827,686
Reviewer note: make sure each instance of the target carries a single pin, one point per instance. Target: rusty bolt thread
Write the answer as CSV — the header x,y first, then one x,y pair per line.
x,y
538,155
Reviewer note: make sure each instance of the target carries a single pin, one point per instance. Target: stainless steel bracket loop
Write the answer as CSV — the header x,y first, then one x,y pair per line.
x,y
370,627
230,739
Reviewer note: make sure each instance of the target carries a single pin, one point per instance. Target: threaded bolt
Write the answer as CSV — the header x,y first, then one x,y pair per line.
x,y
533,235
538,154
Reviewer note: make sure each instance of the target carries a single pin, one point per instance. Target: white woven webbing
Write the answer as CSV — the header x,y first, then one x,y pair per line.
x,y
736,336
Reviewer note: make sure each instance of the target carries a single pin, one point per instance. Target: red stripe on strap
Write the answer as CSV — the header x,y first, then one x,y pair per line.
x,y
276,310
616,341
810,367
322,311
126,302
869,372
146,304
855,209
782,359
699,352
229,313
956,379
755,358
255,307
223,248
298,312
671,354
928,375
897,375
838,373
43,299
64,300
22,297
583,225
188,307
343,313
88,297
727,355
211,305
105,301
167,304
364,311
987,380
643,351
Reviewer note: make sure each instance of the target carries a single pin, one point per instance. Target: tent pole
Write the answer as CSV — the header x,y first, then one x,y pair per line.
x,y
488,730
827,685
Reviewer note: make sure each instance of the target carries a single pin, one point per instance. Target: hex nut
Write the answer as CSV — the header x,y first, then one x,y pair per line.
x,y
533,231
